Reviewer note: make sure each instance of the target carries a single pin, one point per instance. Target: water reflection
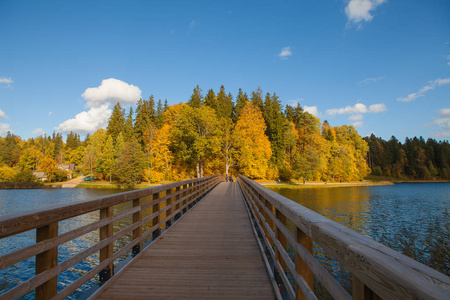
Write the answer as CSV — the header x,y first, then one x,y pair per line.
x,y
411,215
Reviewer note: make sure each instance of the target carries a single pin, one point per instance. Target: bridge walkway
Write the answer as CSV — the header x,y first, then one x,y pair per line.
x,y
211,253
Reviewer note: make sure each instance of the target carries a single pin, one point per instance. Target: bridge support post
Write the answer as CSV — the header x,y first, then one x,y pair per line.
x,y
137,217
47,260
107,251
301,267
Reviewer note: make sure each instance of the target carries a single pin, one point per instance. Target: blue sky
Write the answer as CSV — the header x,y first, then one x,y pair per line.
x,y
382,65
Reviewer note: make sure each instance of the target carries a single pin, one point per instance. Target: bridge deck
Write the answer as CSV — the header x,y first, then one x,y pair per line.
x,y
211,253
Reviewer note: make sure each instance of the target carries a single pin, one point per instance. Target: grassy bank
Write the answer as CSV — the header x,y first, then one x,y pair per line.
x,y
107,185
300,185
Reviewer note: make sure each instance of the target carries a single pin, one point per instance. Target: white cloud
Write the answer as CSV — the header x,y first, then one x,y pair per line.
x,y
431,86
444,112
285,52
360,10
356,117
358,109
443,122
111,91
4,128
442,134
376,108
370,80
38,132
358,124
87,121
6,80
311,109
50,113
2,114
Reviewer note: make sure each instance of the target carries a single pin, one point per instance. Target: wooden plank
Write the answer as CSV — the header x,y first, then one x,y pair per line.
x,y
210,253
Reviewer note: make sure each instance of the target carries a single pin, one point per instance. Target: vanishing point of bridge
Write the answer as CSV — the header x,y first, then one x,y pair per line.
x,y
207,239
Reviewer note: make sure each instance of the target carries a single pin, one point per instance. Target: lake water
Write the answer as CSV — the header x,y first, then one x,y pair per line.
x,y
377,211
371,210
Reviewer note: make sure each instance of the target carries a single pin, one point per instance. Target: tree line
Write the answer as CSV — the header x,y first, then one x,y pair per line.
x,y
251,134
415,158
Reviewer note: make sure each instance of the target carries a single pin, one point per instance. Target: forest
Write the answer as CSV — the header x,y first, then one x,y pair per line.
x,y
216,133
414,159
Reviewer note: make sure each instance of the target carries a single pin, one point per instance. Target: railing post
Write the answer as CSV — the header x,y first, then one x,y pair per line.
x,y
137,217
107,251
281,238
47,260
177,197
269,220
360,291
169,211
157,218
300,266
184,195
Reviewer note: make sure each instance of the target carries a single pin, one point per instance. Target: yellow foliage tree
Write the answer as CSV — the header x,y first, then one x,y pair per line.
x,y
252,145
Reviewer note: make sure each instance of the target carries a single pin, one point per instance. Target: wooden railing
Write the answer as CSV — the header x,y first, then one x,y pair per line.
x,y
178,197
377,271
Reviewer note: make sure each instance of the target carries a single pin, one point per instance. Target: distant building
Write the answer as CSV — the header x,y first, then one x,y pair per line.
x,y
69,168
40,175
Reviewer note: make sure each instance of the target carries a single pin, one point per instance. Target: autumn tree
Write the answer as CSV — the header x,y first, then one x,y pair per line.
x,y
252,145
194,135
48,165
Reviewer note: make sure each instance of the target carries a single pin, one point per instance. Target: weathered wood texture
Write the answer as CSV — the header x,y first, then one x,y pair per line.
x,y
378,271
211,253
48,240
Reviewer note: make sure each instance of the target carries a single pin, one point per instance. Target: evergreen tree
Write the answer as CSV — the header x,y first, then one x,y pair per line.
x,y
130,163
129,129
241,101
211,100
116,122
224,104
289,113
257,98
196,98
10,150
145,115
73,141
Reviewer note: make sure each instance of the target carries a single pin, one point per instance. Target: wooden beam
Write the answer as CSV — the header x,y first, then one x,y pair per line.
x,y
46,261
301,267
107,251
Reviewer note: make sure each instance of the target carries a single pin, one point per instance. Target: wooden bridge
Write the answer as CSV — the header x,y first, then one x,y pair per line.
x,y
207,239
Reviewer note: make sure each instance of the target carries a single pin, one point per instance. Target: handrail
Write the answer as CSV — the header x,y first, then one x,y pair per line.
x,y
178,196
378,272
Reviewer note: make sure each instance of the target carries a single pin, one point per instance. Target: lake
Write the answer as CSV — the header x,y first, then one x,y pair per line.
x,y
382,212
